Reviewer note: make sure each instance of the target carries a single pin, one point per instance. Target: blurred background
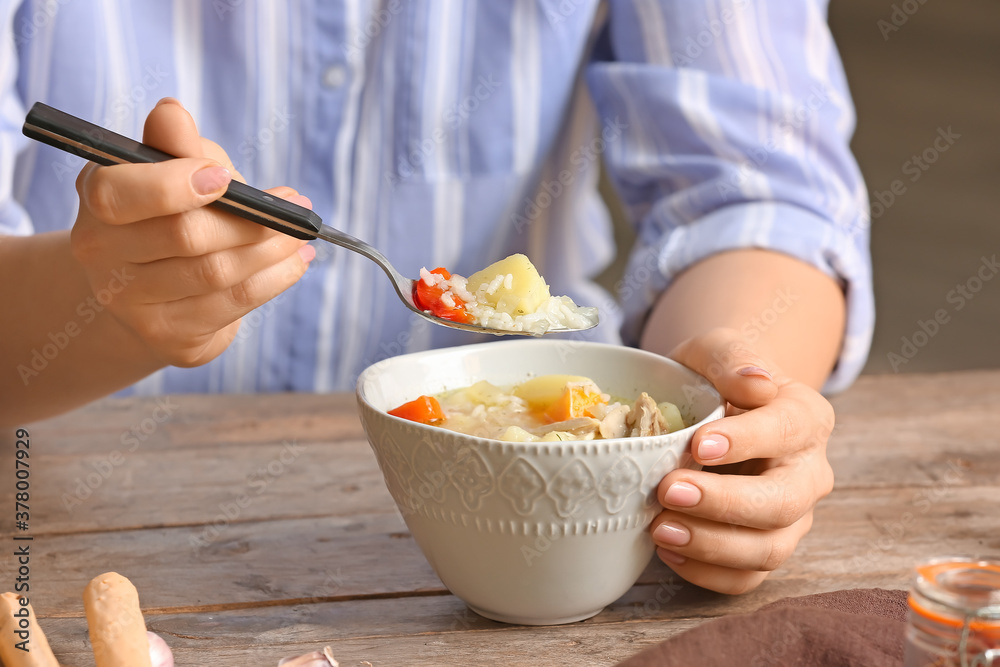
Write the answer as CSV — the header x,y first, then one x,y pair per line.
x,y
940,69
925,76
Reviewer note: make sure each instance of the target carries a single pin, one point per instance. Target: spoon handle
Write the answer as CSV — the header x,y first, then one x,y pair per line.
x,y
97,144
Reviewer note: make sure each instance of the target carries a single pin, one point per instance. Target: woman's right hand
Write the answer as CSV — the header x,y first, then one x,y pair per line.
x,y
177,274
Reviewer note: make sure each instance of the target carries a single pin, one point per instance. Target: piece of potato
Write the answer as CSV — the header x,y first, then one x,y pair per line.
x,y
527,288
517,434
544,390
671,415
484,393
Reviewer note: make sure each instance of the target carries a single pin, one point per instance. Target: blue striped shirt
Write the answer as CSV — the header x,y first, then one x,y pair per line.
x,y
452,133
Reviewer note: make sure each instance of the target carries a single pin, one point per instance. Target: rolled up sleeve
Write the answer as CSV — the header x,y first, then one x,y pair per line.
x,y
737,121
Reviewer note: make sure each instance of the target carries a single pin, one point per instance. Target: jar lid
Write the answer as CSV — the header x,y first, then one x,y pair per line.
x,y
963,589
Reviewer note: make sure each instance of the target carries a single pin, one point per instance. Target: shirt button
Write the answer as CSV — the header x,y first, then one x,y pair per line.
x,y
334,76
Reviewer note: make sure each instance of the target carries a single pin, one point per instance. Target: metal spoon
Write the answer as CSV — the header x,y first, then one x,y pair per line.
x,y
79,137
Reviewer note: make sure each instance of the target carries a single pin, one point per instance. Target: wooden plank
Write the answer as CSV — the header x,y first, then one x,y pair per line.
x,y
387,628
231,483
286,630
559,645
318,622
914,394
291,456
239,564
398,631
193,421
889,530
904,430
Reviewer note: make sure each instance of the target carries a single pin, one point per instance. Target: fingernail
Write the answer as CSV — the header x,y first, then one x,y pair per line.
x,y
670,558
755,371
307,253
713,447
673,534
210,179
169,100
682,494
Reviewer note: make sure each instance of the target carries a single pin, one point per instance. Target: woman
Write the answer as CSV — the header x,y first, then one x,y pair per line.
x,y
451,135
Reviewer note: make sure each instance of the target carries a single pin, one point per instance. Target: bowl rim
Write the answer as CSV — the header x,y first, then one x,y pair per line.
x,y
702,383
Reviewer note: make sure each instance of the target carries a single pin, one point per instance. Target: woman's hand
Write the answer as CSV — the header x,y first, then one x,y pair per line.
x,y
726,526
174,273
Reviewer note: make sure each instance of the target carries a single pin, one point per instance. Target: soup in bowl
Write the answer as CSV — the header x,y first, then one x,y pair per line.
x,y
531,530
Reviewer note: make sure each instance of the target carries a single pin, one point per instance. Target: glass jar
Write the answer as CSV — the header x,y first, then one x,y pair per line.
x,y
954,618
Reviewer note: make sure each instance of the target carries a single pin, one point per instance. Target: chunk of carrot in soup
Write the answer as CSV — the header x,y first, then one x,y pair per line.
x,y
424,409
574,402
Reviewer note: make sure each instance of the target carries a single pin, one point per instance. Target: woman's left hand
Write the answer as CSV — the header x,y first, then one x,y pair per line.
x,y
765,468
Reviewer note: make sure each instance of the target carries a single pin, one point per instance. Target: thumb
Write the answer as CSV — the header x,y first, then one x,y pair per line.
x,y
171,129
727,361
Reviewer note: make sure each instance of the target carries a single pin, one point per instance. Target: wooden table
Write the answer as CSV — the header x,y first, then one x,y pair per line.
x,y
258,527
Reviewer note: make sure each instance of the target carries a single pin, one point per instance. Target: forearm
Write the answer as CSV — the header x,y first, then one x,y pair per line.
x,y
61,346
785,310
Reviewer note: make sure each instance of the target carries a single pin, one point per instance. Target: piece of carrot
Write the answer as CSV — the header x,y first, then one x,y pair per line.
x,y
425,410
428,297
574,402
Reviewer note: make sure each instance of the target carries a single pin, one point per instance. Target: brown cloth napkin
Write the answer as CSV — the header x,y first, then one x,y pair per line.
x,y
853,628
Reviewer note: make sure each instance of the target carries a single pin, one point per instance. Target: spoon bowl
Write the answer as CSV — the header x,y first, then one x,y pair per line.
x,y
405,286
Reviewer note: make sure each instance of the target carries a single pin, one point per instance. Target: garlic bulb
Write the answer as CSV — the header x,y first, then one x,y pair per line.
x,y
159,653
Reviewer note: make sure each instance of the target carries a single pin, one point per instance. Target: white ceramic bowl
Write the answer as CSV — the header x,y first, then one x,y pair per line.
x,y
531,533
